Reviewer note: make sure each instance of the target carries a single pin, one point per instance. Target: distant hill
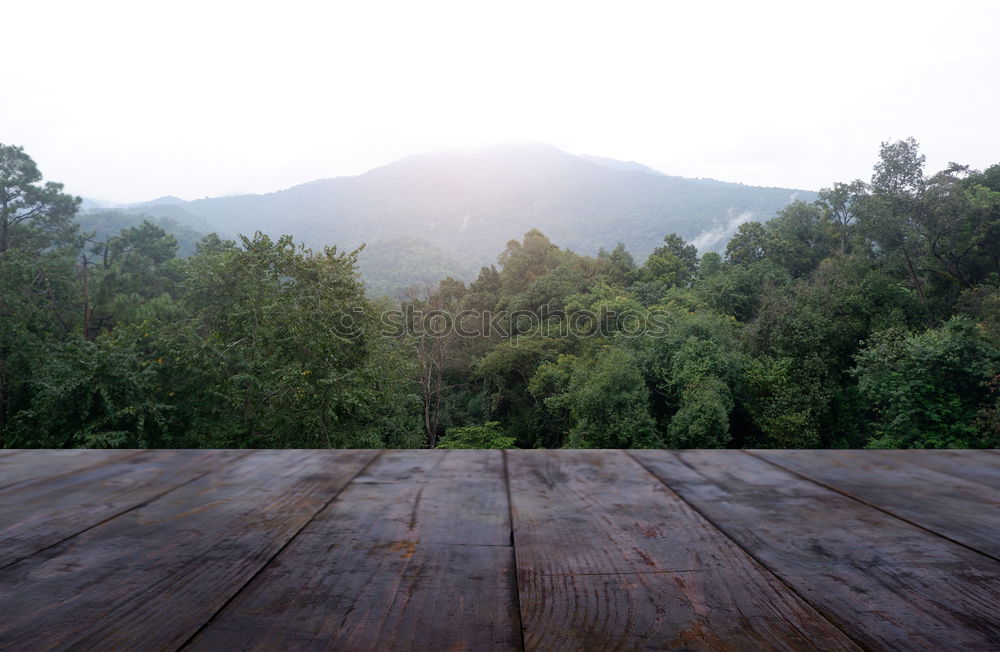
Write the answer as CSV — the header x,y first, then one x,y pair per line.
x,y
91,204
166,200
459,208
391,265
109,222
615,164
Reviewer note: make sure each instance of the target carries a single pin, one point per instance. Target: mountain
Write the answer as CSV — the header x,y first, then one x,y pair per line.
x,y
461,207
109,222
91,204
159,201
615,164
107,219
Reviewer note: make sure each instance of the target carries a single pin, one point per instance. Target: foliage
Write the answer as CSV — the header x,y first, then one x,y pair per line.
x,y
926,388
489,435
32,215
798,238
289,343
747,245
606,399
693,370
103,394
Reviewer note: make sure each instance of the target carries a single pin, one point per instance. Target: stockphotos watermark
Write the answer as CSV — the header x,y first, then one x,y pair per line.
x,y
504,324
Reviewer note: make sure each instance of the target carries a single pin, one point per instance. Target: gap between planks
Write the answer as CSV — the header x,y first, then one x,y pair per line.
x,y
823,613
114,515
516,597
784,616
187,642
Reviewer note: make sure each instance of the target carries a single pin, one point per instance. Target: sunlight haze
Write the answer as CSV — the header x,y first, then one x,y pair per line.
x,y
128,101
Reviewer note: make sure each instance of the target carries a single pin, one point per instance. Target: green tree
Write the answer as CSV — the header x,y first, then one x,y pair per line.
x,y
37,279
804,338
889,214
693,370
31,213
131,276
928,389
747,244
959,229
284,350
101,394
982,305
621,265
606,399
798,238
839,204
489,435
523,262
709,265
505,372
672,264
738,290
439,349
675,260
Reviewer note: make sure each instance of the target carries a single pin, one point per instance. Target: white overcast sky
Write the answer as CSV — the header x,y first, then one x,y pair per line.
x,y
131,100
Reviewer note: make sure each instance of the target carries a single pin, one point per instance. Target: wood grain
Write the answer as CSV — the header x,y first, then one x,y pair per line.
x,y
363,550
148,579
972,465
890,584
608,558
414,554
40,465
35,515
964,511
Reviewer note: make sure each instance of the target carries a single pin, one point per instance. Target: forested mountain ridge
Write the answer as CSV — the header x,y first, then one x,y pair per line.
x,y
474,201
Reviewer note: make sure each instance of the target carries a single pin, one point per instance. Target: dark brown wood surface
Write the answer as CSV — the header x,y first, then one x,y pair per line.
x,y
888,583
610,559
151,577
415,554
971,465
36,515
931,499
22,467
481,550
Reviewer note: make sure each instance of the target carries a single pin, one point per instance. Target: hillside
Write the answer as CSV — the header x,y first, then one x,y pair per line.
x,y
461,207
102,223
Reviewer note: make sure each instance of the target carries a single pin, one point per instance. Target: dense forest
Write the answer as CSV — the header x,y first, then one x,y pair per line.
x,y
869,317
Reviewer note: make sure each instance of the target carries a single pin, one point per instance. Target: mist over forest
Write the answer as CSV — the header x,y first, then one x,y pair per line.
x,y
448,213
512,296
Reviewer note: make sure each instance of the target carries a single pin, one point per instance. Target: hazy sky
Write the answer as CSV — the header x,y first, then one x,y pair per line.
x,y
131,100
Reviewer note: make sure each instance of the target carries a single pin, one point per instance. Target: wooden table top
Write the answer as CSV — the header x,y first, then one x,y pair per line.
x,y
480,550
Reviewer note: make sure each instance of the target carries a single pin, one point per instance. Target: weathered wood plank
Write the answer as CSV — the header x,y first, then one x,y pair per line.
x,y
414,554
609,558
149,578
890,584
36,465
963,511
972,465
38,514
